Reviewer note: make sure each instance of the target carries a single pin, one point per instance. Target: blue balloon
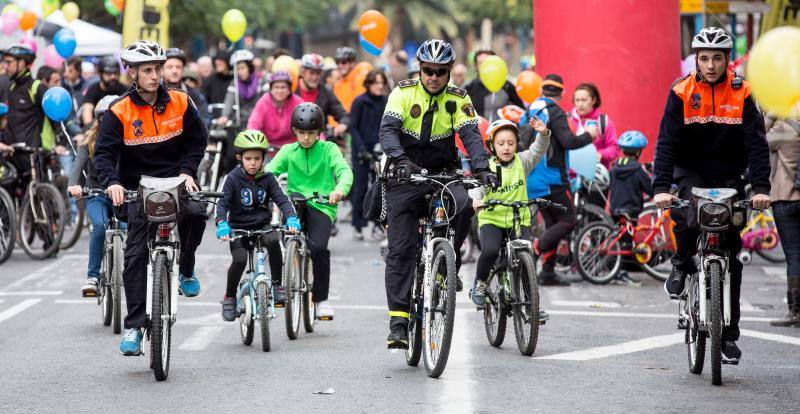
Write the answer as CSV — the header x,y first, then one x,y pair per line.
x,y
57,104
64,41
584,161
368,47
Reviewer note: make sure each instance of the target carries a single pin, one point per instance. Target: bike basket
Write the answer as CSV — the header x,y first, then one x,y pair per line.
x,y
713,216
161,198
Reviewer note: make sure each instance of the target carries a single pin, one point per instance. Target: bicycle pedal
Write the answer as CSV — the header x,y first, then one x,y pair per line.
x,y
397,344
730,362
89,294
682,324
544,322
280,305
325,318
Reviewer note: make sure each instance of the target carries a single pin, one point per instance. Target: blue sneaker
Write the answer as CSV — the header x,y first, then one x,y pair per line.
x,y
190,286
131,344
478,293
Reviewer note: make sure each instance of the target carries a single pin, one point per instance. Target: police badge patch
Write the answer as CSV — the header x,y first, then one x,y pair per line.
x,y
468,109
137,127
416,110
696,101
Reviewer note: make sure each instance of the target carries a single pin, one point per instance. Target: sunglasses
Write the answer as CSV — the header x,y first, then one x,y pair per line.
x,y
438,72
343,62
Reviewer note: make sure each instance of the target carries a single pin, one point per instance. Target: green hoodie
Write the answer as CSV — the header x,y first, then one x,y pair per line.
x,y
320,169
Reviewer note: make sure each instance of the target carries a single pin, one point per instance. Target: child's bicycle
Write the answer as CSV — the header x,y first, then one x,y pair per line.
x,y
760,236
650,243
254,297
512,287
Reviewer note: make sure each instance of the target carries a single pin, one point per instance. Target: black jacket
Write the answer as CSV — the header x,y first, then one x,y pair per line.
x,y
246,203
215,88
365,121
25,115
628,182
487,105
330,105
136,139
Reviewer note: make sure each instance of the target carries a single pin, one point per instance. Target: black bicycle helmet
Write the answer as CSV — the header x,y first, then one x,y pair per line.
x,y
307,116
108,64
346,53
20,51
176,53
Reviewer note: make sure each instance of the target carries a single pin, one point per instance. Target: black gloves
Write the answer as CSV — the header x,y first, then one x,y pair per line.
x,y
403,168
487,178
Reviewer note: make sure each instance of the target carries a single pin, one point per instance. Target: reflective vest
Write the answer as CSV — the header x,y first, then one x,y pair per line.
x,y
511,189
705,103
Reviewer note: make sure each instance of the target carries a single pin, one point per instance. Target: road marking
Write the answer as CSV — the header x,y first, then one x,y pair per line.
x,y
43,271
746,306
457,378
32,293
585,304
201,338
19,307
638,345
207,320
776,271
771,337
638,315
87,301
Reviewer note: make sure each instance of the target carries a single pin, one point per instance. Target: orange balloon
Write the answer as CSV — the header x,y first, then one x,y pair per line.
x,y
119,4
27,21
483,125
362,70
374,27
528,85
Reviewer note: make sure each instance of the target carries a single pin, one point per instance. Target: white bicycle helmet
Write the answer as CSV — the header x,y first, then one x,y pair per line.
x,y
143,51
103,104
436,51
601,177
243,55
312,61
712,38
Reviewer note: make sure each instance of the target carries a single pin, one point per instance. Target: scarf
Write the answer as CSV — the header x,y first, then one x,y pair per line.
x,y
248,89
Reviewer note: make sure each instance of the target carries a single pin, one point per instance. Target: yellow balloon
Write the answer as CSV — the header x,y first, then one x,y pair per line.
x,y
773,70
48,7
234,23
493,73
287,64
13,8
71,11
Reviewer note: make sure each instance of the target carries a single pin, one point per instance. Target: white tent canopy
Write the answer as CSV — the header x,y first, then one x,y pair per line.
x,y
92,40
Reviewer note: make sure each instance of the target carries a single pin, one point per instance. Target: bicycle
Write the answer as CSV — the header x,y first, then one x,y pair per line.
x,y
433,295
705,308
601,247
109,289
161,201
298,276
760,236
255,293
8,225
42,212
512,288
209,170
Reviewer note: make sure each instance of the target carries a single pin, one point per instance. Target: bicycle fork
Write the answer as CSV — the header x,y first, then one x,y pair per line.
x,y
173,271
703,289
262,278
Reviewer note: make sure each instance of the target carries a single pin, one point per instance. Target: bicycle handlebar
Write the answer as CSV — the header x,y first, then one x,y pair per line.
x,y
322,199
424,177
542,203
239,233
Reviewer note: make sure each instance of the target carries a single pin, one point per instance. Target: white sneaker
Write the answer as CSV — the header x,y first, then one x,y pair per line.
x,y
89,288
324,311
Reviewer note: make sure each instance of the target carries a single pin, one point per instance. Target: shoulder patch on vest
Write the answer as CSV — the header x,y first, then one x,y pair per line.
x,y
457,91
405,83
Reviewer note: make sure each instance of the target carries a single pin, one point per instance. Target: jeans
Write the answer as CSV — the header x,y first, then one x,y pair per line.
x,y
787,219
67,161
98,210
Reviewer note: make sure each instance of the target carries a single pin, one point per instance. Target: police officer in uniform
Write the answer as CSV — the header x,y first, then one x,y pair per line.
x,y
418,132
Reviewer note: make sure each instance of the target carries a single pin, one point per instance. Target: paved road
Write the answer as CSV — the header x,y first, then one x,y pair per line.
x,y
607,349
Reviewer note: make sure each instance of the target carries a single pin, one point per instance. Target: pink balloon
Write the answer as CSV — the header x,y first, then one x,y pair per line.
x,y
10,22
52,58
30,43
687,65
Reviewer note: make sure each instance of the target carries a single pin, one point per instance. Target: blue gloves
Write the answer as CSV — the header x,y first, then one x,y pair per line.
x,y
292,223
223,229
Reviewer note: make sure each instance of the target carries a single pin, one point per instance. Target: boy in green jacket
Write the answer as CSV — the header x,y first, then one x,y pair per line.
x,y
314,166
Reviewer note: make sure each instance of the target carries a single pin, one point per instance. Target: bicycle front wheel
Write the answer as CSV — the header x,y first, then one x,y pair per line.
x,y
160,321
440,308
715,330
775,253
294,285
8,225
41,221
309,309
594,264
117,261
526,304
263,302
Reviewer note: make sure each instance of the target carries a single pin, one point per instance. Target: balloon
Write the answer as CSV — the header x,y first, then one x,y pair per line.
x,y
493,72
30,43
13,8
64,40
71,11
10,22
48,7
57,104
528,85
287,64
111,8
584,161
234,23
373,29
688,65
483,125
52,58
119,4
773,71
27,21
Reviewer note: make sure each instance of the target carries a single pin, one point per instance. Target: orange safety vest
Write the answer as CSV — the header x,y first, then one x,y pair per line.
x,y
704,103
346,89
144,125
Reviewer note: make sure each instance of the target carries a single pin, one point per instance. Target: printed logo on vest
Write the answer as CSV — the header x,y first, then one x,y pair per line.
x,y
416,110
137,127
695,101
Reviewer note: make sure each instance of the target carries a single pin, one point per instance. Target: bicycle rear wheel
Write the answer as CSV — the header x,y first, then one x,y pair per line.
x,y
264,317
104,290
715,330
294,285
495,316
160,322
73,229
41,221
439,313
526,304
8,225
594,265
116,283
414,350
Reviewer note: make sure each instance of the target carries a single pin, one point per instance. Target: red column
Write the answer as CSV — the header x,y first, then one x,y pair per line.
x,y
629,48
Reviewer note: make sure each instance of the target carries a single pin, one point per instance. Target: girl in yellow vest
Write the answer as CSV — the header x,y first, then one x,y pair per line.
x,y
501,138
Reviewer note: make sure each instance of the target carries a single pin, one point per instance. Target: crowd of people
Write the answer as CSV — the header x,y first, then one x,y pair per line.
x,y
151,116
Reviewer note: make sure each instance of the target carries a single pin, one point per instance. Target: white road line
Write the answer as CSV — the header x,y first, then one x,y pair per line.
x,y
457,391
87,301
776,271
19,307
771,337
638,345
201,338
43,271
746,306
206,320
32,293
638,315
585,304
